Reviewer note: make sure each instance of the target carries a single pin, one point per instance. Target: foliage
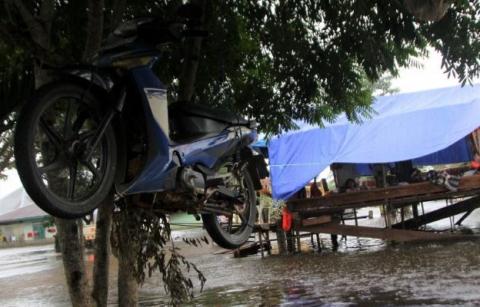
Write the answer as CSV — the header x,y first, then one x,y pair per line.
x,y
279,61
457,38
275,61
6,145
15,85
148,232
383,86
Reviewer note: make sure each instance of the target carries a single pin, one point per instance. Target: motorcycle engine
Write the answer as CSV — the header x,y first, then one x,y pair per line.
x,y
191,181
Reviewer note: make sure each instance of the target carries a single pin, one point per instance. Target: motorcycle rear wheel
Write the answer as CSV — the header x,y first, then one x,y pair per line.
x,y
227,232
60,168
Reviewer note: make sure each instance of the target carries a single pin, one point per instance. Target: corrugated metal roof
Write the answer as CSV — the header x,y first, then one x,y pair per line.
x,y
24,213
15,200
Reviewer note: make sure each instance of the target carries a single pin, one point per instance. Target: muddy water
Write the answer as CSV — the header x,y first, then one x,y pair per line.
x,y
362,271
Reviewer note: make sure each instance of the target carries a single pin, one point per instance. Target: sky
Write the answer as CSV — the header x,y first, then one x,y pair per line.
x,y
430,76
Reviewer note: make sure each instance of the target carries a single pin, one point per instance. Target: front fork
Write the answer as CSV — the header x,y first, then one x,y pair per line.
x,y
106,121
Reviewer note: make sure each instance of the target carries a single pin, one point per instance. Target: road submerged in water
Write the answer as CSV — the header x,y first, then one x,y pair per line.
x,y
362,272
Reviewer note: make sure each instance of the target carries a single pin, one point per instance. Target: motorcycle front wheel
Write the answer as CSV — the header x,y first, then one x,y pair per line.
x,y
234,229
63,169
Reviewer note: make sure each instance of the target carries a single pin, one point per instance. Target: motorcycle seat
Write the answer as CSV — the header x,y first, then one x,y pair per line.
x,y
190,109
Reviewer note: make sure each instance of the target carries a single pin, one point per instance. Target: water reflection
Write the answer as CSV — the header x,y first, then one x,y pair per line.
x,y
418,274
362,272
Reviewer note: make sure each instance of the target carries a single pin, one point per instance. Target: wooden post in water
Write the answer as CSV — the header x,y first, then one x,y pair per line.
x,y
318,242
281,239
261,242
402,213
415,210
290,242
355,215
269,243
297,235
334,239
388,215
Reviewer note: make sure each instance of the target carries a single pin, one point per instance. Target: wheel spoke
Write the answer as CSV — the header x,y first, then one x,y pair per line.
x,y
53,166
89,165
86,135
79,121
102,128
72,181
230,222
51,134
67,125
242,218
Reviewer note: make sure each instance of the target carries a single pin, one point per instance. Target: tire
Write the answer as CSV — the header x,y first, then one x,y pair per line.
x,y
228,240
43,185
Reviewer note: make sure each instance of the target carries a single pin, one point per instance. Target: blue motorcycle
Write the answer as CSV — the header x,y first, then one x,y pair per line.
x,y
108,125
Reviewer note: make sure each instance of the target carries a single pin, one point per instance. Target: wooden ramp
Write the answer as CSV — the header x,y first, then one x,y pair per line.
x,y
439,214
399,235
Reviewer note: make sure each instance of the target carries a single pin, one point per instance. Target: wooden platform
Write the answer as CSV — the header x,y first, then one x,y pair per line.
x,y
397,195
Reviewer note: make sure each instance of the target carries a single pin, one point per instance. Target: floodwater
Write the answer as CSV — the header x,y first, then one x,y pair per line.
x,y
361,272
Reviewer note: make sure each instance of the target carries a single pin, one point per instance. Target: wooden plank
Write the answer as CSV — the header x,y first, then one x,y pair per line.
x,y
440,214
323,219
399,235
376,196
371,195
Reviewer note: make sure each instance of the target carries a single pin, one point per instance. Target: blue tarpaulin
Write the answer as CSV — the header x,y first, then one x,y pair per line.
x,y
402,127
458,152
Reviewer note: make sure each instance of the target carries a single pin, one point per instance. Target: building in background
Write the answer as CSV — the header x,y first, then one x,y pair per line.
x,y
21,220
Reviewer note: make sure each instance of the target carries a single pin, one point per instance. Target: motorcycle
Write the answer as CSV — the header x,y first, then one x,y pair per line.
x,y
108,124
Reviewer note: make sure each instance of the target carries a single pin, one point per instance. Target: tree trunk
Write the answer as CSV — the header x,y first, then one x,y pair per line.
x,y
71,242
190,62
127,283
102,252
94,27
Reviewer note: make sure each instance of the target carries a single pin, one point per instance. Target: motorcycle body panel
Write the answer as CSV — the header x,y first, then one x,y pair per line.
x,y
164,158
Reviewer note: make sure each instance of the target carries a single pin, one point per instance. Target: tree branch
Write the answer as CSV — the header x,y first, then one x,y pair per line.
x,y
119,7
9,12
47,10
190,63
95,25
432,10
37,32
